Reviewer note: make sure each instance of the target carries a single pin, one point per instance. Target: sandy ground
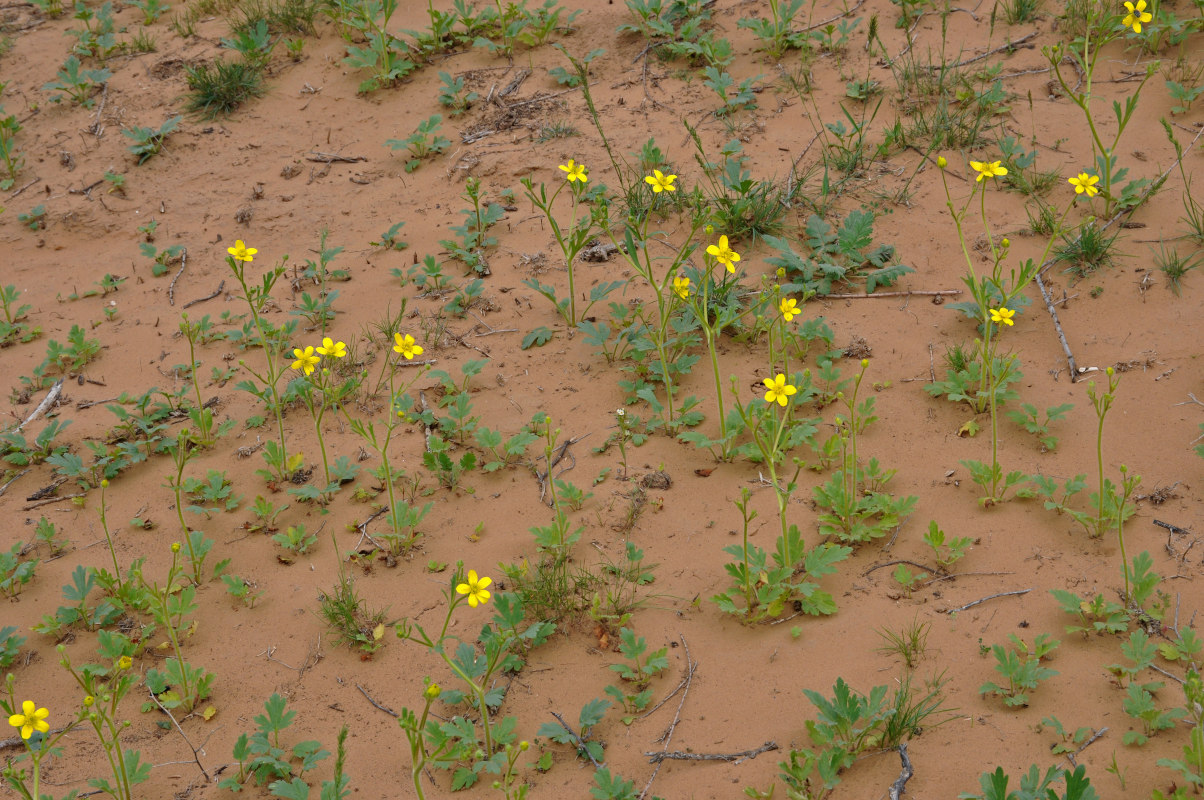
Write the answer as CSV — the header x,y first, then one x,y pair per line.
x,y
256,176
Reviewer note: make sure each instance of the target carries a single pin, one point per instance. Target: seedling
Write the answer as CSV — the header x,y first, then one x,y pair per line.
x,y
453,96
75,83
1021,666
424,142
946,553
148,141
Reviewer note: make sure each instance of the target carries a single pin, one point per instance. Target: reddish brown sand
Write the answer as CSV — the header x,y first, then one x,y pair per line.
x,y
747,688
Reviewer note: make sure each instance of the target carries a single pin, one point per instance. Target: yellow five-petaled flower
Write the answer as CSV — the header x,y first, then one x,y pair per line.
x,y
789,308
307,359
241,252
406,346
1084,183
576,172
987,169
724,254
1137,15
660,182
681,286
779,391
475,588
32,719
331,348
1002,316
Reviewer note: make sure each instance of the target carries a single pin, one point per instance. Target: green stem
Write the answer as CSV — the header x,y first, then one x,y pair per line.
x,y
108,538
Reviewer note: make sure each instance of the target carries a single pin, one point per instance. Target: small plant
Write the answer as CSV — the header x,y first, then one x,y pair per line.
x,y
148,141
241,590
639,669
10,160
424,142
1139,704
14,328
838,256
151,9
1191,766
163,259
592,714
10,646
1086,250
222,86
179,684
1021,666
1093,616
253,42
1029,418
295,539
1068,741
909,642
75,83
14,571
947,552
347,616
453,96
35,218
262,756
994,785
385,57
389,240
777,33
1175,266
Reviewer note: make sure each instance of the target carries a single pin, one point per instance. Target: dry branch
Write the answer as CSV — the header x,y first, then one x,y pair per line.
x,y
51,397
988,597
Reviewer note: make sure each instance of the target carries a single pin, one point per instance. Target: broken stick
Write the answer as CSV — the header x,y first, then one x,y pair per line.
x,y
49,400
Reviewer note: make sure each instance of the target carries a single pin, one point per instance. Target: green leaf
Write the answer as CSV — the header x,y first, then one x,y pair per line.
x,y
537,338
296,789
592,713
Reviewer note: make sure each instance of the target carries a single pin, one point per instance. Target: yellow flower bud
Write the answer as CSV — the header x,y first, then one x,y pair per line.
x,y
523,745
104,484
865,362
175,547
125,662
1005,242
709,228
433,691
89,700
781,272
1110,371
941,162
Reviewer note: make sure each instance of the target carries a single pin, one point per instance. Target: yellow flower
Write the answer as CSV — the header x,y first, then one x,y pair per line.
x,y
576,172
33,719
475,589
125,662
660,182
406,346
332,348
306,359
987,169
942,162
724,254
241,252
779,391
1084,183
1137,15
789,308
1002,316
681,287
